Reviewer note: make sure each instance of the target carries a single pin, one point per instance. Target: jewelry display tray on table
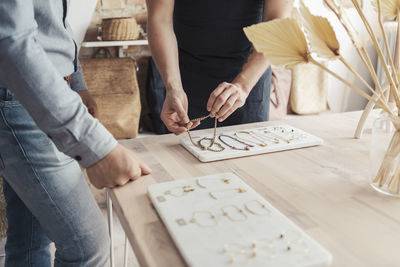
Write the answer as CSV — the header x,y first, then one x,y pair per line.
x,y
218,220
301,139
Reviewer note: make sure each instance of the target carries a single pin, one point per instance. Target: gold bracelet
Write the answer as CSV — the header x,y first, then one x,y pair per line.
x,y
198,144
246,145
265,137
209,148
223,180
278,136
183,191
199,223
254,211
240,211
233,190
262,144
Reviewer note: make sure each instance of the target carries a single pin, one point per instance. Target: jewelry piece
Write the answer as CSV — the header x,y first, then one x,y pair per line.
x,y
247,146
181,222
251,134
280,137
280,128
209,148
293,242
179,191
160,198
233,190
199,145
263,137
223,180
290,134
230,217
200,222
291,237
256,249
261,209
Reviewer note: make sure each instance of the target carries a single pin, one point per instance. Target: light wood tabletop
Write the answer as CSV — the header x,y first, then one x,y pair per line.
x,y
325,190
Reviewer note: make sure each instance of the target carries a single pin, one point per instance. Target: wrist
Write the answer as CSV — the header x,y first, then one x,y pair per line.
x,y
172,87
241,82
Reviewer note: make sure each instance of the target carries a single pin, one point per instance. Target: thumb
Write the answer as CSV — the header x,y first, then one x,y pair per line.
x,y
144,167
182,114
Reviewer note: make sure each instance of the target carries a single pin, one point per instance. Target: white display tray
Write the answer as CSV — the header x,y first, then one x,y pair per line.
x,y
266,239
304,140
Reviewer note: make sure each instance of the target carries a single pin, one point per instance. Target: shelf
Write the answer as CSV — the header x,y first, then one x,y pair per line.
x,y
115,43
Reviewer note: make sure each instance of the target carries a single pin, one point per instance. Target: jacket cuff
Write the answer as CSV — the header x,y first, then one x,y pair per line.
x,y
93,147
77,80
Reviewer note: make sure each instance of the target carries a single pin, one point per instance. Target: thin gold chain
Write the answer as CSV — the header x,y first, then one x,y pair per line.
x,y
198,144
278,136
246,145
255,137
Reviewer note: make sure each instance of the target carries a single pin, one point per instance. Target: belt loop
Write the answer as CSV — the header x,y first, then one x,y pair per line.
x,y
68,79
8,95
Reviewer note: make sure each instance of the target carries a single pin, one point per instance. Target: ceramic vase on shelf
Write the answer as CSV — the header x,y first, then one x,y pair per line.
x,y
385,155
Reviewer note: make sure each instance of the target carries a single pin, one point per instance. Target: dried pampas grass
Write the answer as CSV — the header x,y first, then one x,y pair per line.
x,y
284,43
281,41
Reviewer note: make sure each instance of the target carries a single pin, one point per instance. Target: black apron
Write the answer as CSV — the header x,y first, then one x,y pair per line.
x,y
213,49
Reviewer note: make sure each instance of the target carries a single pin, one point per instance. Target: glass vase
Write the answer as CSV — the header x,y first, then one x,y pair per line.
x,y
385,155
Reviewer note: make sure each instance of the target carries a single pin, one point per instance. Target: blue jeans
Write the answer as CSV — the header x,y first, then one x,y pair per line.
x,y
48,199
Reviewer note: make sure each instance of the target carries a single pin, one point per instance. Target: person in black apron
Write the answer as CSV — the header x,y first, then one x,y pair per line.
x,y
206,64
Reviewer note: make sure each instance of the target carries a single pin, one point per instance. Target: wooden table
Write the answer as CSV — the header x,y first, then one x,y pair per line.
x,y
325,190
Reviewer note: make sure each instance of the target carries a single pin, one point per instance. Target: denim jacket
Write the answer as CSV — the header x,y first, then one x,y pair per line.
x,y
36,52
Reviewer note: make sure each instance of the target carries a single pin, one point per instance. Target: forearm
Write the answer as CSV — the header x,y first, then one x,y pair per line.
x,y
257,64
56,109
163,45
252,70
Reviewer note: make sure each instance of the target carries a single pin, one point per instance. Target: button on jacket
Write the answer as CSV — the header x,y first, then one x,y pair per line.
x,y
36,52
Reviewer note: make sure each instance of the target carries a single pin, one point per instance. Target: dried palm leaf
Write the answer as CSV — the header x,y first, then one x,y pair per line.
x,y
340,13
320,34
344,3
390,8
281,41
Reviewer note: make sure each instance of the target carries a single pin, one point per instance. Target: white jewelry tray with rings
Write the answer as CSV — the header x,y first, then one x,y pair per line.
x,y
234,144
218,220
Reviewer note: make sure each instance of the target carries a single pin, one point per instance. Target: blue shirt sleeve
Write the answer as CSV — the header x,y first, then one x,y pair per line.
x,y
77,80
57,110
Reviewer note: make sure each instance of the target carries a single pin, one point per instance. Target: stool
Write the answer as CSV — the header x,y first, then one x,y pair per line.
x,y
111,232
3,218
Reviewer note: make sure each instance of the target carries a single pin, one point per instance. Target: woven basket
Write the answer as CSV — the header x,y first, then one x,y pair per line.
x,y
113,85
119,29
309,95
